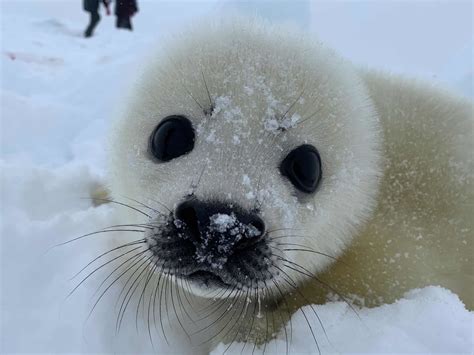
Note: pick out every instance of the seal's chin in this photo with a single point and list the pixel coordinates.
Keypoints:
(206, 279)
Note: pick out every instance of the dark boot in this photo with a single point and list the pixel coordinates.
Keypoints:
(95, 18)
(124, 22)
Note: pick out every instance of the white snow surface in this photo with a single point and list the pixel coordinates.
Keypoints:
(58, 94)
(429, 320)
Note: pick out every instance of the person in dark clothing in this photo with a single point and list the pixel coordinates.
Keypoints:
(124, 10)
(92, 6)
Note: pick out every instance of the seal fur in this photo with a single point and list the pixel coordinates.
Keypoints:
(393, 209)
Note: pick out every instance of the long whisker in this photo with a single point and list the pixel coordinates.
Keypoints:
(140, 241)
(238, 321)
(308, 273)
(117, 203)
(252, 320)
(281, 229)
(100, 267)
(293, 104)
(136, 256)
(98, 232)
(211, 105)
(312, 308)
(308, 250)
(282, 295)
(139, 225)
(136, 283)
(113, 282)
(174, 307)
(293, 285)
(142, 294)
(154, 306)
(161, 204)
(163, 288)
(148, 318)
(146, 206)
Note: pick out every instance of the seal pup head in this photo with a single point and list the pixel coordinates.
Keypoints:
(260, 148)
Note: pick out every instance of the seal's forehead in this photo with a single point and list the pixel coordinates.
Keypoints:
(252, 66)
(244, 84)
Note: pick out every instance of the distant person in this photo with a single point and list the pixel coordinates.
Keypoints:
(92, 6)
(124, 10)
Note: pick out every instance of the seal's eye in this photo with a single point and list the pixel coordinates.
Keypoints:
(173, 137)
(302, 166)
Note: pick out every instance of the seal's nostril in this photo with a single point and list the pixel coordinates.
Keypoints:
(259, 225)
(218, 230)
(186, 213)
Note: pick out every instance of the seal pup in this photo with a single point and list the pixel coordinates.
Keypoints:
(267, 172)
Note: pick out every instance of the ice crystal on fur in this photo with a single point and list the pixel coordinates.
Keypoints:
(220, 237)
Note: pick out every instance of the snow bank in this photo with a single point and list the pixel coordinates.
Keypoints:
(58, 93)
(428, 320)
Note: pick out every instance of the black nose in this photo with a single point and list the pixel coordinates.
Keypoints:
(218, 230)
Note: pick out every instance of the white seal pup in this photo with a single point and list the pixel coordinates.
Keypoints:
(270, 172)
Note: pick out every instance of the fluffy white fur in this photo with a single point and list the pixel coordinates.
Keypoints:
(394, 204)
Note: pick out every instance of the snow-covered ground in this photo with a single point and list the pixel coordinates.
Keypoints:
(58, 94)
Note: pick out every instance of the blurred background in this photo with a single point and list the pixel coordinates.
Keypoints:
(59, 92)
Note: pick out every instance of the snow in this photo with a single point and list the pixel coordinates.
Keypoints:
(58, 94)
(429, 320)
(224, 231)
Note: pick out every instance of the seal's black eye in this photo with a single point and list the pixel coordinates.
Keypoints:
(302, 166)
(173, 137)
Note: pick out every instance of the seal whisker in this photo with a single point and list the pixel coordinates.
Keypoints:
(252, 319)
(194, 99)
(143, 261)
(161, 204)
(142, 294)
(167, 281)
(183, 284)
(134, 285)
(283, 322)
(163, 297)
(293, 104)
(294, 286)
(118, 203)
(155, 293)
(281, 229)
(211, 105)
(266, 319)
(216, 320)
(194, 186)
(98, 268)
(146, 206)
(238, 321)
(180, 301)
(282, 295)
(311, 306)
(140, 241)
(98, 232)
(217, 305)
(136, 256)
(114, 281)
(141, 225)
(306, 249)
(149, 308)
(327, 286)
(174, 284)
(266, 338)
